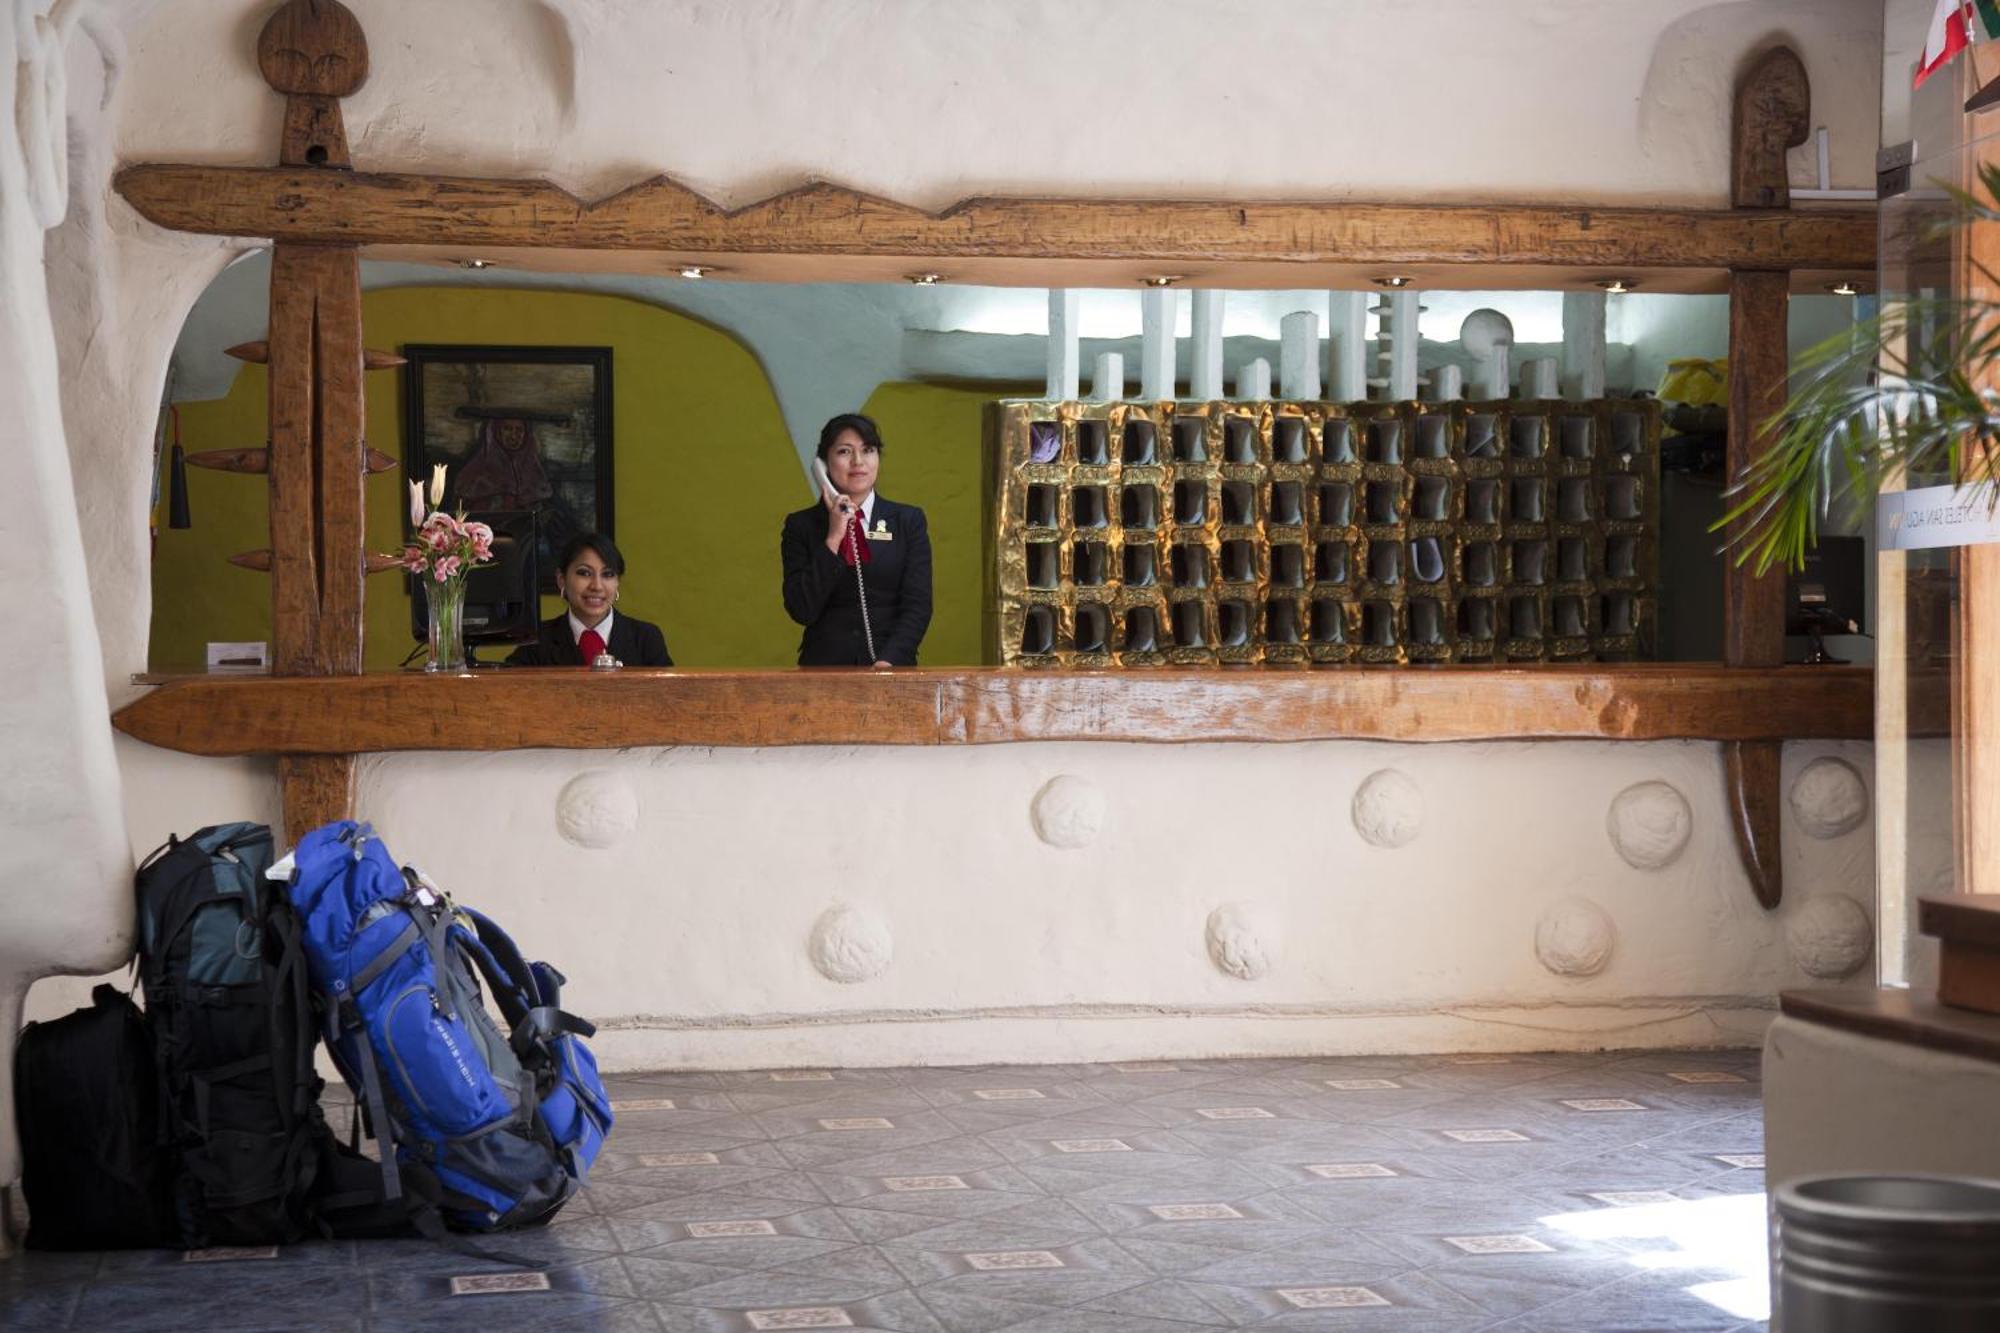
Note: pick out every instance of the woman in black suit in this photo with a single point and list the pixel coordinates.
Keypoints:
(587, 575)
(855, 542)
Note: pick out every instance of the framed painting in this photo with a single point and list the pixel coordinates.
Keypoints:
(520, 428)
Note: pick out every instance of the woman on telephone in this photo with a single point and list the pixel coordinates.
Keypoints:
(857, 566)
(587, 574)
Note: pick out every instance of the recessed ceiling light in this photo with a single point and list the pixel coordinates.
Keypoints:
(1160, 280)
(1843, 288)
(694, 271)
(1392, 281)
(1616, 286)
(475, 263)
(927, 279)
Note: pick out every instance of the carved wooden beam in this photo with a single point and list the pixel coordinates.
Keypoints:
(313, 52)
(1772, 111)
(363, 208)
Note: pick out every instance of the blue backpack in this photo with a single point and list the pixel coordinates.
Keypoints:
(494, 1129)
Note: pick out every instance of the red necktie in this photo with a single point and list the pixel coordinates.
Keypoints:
(589, 644)
(855, 541)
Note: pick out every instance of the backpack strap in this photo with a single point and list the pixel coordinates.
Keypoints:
(529, 996)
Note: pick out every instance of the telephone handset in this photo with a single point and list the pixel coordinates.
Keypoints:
(825, 484)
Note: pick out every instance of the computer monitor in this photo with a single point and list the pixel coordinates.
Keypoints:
(1829, 595)
(502, 603)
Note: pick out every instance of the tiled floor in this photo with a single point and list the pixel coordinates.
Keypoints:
(1533, 1192)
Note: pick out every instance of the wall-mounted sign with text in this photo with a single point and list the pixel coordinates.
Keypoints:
(1934, 516)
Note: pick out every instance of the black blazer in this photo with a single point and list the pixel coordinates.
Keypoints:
(633, 641)
(821, 594)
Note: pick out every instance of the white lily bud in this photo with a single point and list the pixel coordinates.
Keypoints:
(437, 484)
(416, 504)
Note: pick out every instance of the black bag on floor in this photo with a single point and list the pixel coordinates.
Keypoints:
(229, 1006)
(86, 1098)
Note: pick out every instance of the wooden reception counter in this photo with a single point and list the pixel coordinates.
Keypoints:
(575, 709)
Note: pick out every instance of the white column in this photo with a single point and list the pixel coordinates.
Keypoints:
(1347, 346)
(1298, 356)
(1065, 358)
(1205, 365)
(1400, 332)
(1583, 345)
(1107, 384)
(1488, 338)
(1539, 378)
(1447, 384)
(1157, 308)
(1253, 380)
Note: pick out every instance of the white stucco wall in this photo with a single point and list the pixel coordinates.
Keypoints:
(690, 934)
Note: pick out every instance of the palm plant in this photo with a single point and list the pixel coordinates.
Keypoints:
(1912, 393)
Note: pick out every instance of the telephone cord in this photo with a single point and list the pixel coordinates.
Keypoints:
(861, 586)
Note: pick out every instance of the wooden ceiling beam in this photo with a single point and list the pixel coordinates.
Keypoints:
(372, 208)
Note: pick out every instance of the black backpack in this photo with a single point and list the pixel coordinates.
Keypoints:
(229, 1006)
(87, 1103)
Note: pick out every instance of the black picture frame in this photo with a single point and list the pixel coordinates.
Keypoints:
(473, 406)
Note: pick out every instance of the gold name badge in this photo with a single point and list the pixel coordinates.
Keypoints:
(881, 533)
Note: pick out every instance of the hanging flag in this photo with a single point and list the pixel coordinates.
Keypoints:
(1989, 16)
(1945, 38)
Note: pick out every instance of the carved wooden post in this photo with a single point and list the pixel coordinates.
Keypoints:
(1773, 113)
(313, 51)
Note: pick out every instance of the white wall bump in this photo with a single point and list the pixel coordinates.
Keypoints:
(1829, 798)
(597, 809)
(1575, 938)
(1649, 824)
(849, 944)
(1830, 936)
(1388, 808)
(1242, 940)
(1068, 811)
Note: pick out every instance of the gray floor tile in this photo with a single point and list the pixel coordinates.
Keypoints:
(885, 1224)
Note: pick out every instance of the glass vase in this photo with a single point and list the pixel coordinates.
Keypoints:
(447, 624)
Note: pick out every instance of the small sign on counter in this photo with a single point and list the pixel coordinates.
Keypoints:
(246, 658)
(1934, 516)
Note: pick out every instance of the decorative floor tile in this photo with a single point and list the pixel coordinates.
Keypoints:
(1234, 1113)
(678, 1159)
(1192, 1212)
(1707, 1076)
(801, 1076)
(1486, 1136)
(493, 1284)
(1499, 1244)
(620, 1105)
(1361, 1084)
(815, 1316)
(1007, 1094)
(1636, 1198)
(1331, 1298)
(917, 1184)
(222, 1254)
(746, 1227)
(856, 1122)
(1603, 1104)
(1090, 1145)
(1350, 1170)
(1009, 1260)
(1754, 1160)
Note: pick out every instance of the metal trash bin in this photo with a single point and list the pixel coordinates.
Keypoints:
(1886, 1254)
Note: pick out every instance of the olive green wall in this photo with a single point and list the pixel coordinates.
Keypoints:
(702, 468)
